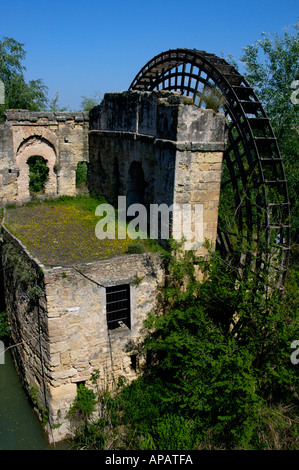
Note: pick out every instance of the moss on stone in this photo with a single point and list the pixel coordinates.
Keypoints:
(62, 231)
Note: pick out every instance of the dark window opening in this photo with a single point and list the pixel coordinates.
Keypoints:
(118, 306)
(81, 383)
(136, 185)
(134, 362)
(149, 358)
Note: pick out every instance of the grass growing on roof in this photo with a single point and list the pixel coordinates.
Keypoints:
(62, 231)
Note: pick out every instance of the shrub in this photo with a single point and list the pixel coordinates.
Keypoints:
(84, 403)
(136, 248)
(221, 361)
(4, 326)
(38, 173)
(220, 375)
(81, 174)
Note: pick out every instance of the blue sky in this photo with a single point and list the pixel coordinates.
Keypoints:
(80, 47)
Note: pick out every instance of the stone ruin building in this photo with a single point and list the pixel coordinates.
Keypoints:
(154, 144)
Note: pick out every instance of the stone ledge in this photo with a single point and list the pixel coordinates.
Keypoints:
(53, 117)
(162, 143)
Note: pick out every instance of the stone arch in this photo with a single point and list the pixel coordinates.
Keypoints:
(32, 147)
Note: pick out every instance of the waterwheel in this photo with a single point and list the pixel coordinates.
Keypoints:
(254, 213)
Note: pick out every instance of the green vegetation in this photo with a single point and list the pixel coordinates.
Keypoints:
(18, 93)
(271, 66)
(213, 99)
(220, 374)
(28, 276)
(84, 403)
(81, 174)
(38, 174)
(136, 247)
(44, 413)
(62, 231)
(87, 103)
(87, 434)
(4, 326)
(54, 105)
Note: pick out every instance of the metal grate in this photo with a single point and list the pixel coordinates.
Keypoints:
(118, 306)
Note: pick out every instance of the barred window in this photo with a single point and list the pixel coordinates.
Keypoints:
(118, 306)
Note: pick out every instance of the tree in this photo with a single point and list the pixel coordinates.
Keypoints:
(54, 104)
(87, 103)
(272, 66)
(18, 93)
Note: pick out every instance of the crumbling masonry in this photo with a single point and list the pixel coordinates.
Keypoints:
(152, 147)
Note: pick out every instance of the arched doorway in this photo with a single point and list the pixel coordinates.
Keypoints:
(40, 153)
(38, 174)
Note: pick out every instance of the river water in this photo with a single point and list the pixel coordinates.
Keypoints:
(20, 428)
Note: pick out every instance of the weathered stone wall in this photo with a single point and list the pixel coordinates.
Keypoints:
(178, 146)
(25, 300)
(60, 138)
(58, 318)
(80, 342)
(8, 171)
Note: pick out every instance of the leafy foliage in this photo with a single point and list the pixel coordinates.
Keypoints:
(38, 173)
(220, 374)
(222, 353)
(87, 103)
(54, 105)
(272, 65)
(81, 174)
(18, 93)
(84, 403)
(89, 436)
(4, 326)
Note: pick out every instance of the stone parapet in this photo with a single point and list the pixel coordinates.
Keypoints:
(23, 116)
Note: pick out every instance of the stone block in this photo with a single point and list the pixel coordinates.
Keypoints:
(63, 391)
